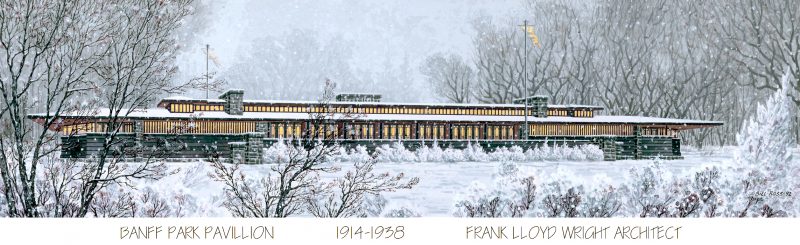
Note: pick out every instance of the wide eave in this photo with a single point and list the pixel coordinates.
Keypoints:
(163, 114)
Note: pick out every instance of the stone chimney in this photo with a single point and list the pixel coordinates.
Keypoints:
(233, 101)
(537, 104)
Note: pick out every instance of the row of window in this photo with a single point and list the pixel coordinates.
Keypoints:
(360, 131)
(198, 127)
(658, 132)
(285, 130)
(92, 128)
(429, 131)
(583, 113)
(557, 113)
(185, 108)
(580, 129)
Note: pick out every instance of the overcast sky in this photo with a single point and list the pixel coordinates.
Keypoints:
(379, 30)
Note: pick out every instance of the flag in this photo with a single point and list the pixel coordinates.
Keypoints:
(533, 36)
(212, 56)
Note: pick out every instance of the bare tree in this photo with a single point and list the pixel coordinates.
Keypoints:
(136, 68)
(296, 186)
(499, 63)
(762, 38)
(58, 57)
(344, 197)
(450, 77)
(48, 49)
(583, 68)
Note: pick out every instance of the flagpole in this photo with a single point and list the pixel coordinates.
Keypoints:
(207, 49)
(525, 82)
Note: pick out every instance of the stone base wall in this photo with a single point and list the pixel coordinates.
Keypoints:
(249, 147)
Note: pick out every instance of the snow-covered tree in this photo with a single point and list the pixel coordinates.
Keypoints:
(70, 57)
(764, 158)
(765, 139)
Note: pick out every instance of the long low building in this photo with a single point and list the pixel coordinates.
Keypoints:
(231, 127)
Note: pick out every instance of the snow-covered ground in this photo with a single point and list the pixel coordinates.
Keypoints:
(440, 182)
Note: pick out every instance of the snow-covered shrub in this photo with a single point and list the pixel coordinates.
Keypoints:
(452, 155)
(602, 202)
(650, 191)
(401, 212)
(430, 154)
(401, 209)
(561, 199)
(373, 205)
(516, 153)
(475, 153)
(358, 154)
(548, 153)
(276, 153)
(592, 152)
(376, 205)
(396, 152)
(566, 195)
(704, 197)
(479, 201)
(512, 195)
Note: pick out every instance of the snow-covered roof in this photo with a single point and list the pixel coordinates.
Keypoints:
(348, 93)
(306, 102)
(177, 98)
(187, 99)
(160, 113)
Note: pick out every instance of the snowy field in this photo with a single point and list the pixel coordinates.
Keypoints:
(440, 182)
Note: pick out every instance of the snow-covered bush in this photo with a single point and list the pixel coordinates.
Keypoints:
(401, 212)
(401, 209)
(376, 205)
(568, 196)
(647, 191)
(475, 153)
(430, 154)
(512, 195)
(706, 186)
(358, 154)
(592, 152)
(602, 202)
(561, 199)
(650, 191)
(452, 155)
(396, 152)
(276, 153)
